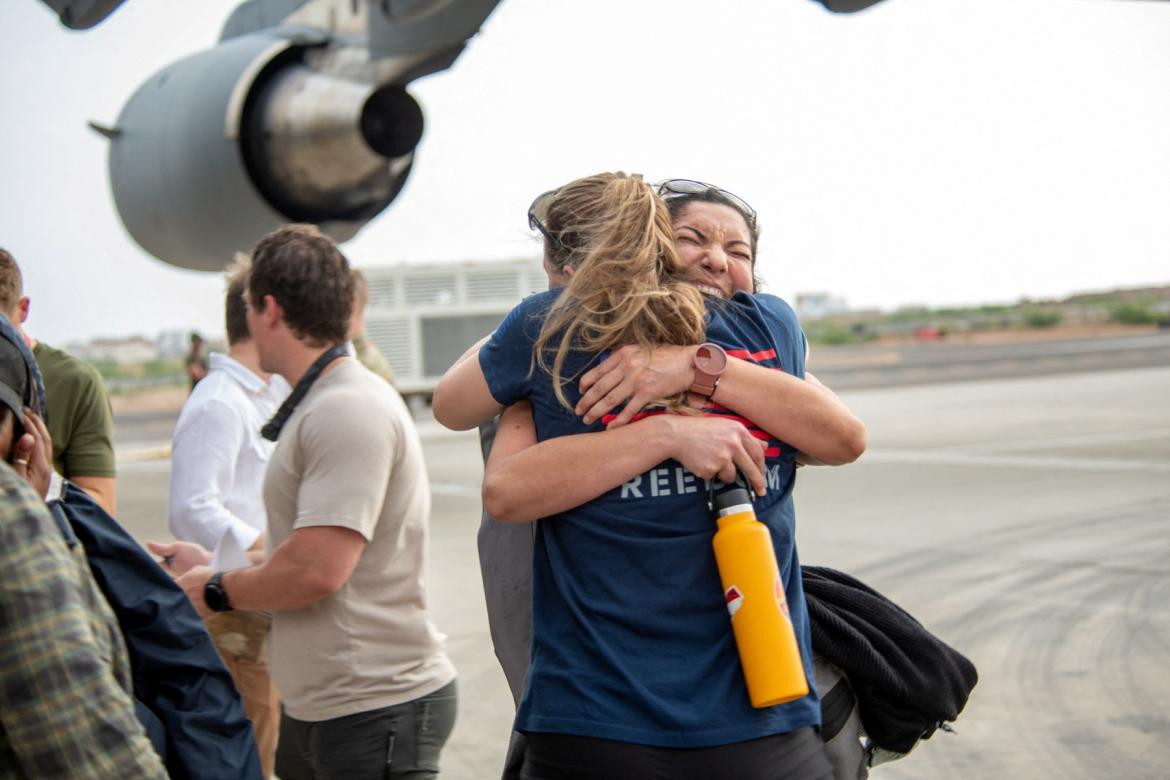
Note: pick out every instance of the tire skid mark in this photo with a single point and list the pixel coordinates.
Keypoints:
(1072, 640)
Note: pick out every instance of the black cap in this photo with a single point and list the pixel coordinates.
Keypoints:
(732, 496)
(14, 380)
(20, 378)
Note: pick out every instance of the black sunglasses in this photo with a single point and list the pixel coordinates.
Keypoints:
(538, 213)
(677, 188)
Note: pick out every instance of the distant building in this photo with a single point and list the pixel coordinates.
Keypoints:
(173, 343)
(423, 317)
(124, 351)
(814, 305)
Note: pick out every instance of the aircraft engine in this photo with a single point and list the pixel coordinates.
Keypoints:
(264, 129)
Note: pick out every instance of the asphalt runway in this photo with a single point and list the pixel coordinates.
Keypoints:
(1023, 520)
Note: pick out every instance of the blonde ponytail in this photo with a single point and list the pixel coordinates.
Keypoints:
(628, 282)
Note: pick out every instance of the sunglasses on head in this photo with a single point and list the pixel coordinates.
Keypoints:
(538, 213)
(677, 188)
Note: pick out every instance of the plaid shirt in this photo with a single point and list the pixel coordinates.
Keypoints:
(65, 706)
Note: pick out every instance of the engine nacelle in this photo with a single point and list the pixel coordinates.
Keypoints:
(220, 147)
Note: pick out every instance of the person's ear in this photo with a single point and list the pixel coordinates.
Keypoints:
(22, 309)
(273, 313)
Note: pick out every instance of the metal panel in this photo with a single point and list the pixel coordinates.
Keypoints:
(494, 285)
(445, 339)
(435, 288)
(383, 290)
(425, 25)
(392, 336)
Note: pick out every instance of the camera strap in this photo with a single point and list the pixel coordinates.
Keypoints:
(273, 427)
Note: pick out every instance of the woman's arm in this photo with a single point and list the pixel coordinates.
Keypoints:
(804, 458)
(802, 413)
(524, 480)
(462, 399)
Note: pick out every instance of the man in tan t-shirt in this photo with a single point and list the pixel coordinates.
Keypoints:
(367, 688)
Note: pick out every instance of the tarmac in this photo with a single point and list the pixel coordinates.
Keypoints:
(1023, 520)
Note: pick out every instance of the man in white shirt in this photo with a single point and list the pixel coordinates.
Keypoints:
(218, 460)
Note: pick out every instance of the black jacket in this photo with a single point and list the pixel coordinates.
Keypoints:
(908, 682)
(185, 697)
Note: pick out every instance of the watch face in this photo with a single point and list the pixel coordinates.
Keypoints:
(214, 595)
(709, 360)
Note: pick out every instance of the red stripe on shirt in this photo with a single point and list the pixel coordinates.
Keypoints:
(756, 357)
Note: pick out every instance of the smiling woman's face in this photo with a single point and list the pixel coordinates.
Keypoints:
(716, 246)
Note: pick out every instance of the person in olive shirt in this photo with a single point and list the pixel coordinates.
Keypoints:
(80, 420)
(364, 350)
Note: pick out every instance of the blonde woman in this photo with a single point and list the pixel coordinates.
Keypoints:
(634, 671)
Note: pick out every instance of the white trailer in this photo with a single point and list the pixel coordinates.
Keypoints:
(423, 317)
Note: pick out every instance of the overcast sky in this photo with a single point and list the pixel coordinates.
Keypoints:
(924, 151)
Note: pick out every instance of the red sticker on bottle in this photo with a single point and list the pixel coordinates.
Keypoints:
(734, 600)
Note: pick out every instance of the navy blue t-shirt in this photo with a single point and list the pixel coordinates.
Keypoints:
(631, 635)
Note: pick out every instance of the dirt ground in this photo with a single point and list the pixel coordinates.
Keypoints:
(152, 400)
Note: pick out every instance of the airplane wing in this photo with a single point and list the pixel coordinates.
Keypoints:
(300, 114)
(82, 14)
(847, 6)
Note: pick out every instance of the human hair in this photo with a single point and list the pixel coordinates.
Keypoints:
(235, 310)
(628, 283)
(11, 283)
(678, 202)
(305, 272)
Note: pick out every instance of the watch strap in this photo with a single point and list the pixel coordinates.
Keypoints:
(215, 595)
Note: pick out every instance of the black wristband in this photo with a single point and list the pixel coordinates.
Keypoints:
(214, 594)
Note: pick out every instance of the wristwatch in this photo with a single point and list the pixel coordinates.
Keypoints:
(214, 594)
(710, 362)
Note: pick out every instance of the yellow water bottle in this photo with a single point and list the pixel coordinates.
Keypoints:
(755, 599)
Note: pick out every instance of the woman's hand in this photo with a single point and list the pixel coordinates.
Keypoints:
(32, 454)
(716, 447)
(634, 376)
(180, 557)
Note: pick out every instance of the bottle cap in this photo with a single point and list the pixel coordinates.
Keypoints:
(730, 500)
